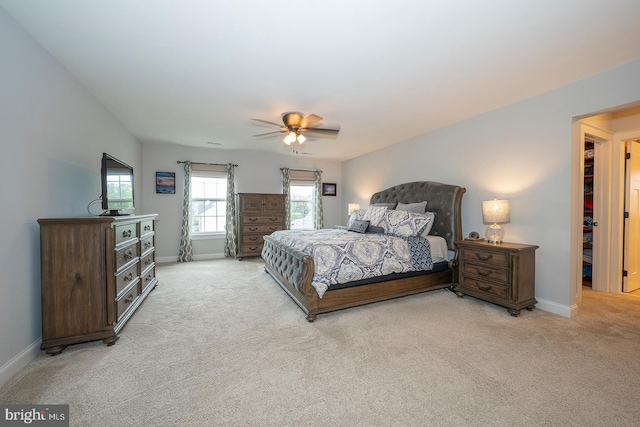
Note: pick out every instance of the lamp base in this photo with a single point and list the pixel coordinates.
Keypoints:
(494, 234)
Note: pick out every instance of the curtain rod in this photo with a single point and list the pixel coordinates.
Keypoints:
(303, 170)
(214, 164)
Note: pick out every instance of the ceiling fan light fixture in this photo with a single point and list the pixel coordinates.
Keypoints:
(301, 139)
(290, 138)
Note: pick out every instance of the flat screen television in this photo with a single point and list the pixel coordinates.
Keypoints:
(117, 187)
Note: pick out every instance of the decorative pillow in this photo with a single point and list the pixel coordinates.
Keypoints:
(357, 214)
(372, 229)
(404, 223)
(374, 214)
(419, 207)
(427, 229)
(359, 226)
(387, 205)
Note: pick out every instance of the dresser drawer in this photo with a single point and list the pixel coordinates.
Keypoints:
(146, 227)
(252, 239)
(126, 255)
(260, 229)
(125, 232)
(252, 249)
(126, 300)
(500, 259)
(146, 244)
(501, 291)
(148, 277)
(147, 260)
(125, 278)
(264, 219)
(274, 204)
(486, 272)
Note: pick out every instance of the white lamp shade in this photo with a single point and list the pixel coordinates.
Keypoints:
(495, 211)
(353, 207)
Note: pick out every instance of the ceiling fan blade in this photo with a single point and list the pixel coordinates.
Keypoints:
(310, 120)
(265, 121)
(321, 131)
(270, 133)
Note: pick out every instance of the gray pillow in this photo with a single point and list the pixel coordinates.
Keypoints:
(359, 226)
(387, 205)
(372, 229)
(419, 207)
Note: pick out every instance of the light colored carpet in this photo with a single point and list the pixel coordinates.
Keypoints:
(218, 343)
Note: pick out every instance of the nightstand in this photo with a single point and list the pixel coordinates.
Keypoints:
(503, 274)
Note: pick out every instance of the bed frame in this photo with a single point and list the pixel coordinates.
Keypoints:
(293, 270)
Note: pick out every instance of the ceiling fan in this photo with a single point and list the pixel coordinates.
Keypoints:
(295, 125)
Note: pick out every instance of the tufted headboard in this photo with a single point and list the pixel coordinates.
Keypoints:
(443, 199)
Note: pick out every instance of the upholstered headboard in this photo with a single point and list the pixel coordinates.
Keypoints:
(443, 199)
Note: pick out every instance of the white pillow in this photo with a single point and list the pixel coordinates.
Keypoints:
(432, 218)
(374, 214)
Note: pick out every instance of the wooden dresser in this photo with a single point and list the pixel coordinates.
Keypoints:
(258, 215)
(503, 274)
(95, 272)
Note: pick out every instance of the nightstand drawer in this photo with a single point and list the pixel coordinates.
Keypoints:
(500, 259)
(486, 272)
(488, 287)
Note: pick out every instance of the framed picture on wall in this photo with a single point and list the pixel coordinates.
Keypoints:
(328, 189)
(165, 182)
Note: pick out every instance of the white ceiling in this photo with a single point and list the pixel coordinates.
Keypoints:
(195, 72)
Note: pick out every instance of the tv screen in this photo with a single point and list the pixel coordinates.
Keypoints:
(117, 186)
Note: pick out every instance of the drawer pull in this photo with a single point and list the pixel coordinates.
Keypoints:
(148, 261)
(253, 248)
(273, 228)
(253, 239)
(148, 278)
(128, 277)
(485, 273)
(128, 255)
(273, 219)
(147, 228)
(253, 228)
(484, 288)
(126, 233)
(147, 245)
(484, 258)
(253, 219)
(129, 299)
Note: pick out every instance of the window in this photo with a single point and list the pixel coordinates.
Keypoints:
(302, 205)
(208, 202)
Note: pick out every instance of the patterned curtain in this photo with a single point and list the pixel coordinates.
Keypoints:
(319, 222)
(186, 251)
(231, 246)
(286, 185)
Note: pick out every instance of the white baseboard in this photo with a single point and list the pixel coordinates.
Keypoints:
(555, 308)
(202, 257)
(13, 366)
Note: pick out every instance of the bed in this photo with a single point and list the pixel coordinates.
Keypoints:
(294, 269)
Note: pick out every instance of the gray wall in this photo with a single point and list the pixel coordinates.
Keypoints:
(52, 134)
(257, 172)
(521, 152)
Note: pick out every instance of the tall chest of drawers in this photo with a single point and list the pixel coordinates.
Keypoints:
(95, 273)
(259, 214)
(503, 274)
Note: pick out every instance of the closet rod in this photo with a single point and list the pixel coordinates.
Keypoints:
(214, 164)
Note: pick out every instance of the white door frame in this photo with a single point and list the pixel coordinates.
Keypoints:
(617, 207)
(602, 234)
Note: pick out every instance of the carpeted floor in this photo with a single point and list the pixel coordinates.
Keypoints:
(218, 343)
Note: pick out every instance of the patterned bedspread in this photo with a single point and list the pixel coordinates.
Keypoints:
(342, 256)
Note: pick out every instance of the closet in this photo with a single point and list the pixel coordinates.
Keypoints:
(587, 216)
